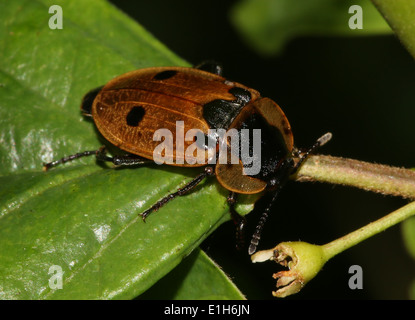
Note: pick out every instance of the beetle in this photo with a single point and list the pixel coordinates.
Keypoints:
(129, 109)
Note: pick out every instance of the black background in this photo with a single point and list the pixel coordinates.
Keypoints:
(359, 88)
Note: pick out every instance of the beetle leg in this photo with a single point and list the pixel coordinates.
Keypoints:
(210, 66)
(47, 166)
(279, 182)
(101, 155)
(121, 160)
(303, 154)
(260, 226)
(238, 220)
(182, 191)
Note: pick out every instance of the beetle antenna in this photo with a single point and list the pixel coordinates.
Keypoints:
(324, 139)
(319, 142)
(260, 226)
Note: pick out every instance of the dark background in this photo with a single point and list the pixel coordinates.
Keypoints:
(359, 88)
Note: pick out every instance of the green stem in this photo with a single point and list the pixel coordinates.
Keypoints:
(368, 176)
(305, 260)
(339, 245)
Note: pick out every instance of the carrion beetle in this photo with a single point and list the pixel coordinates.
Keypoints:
(129, 110)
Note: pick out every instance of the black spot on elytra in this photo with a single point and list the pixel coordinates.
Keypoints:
(165, 75)
(135, 115)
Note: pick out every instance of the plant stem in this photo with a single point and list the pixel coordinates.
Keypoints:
(305, 260)
(368, 176)
(339, 245)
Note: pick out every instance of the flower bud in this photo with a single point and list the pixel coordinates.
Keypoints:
(303, 261)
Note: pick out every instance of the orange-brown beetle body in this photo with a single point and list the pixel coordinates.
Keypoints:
(129, 110)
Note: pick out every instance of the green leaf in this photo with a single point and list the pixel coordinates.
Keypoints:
(81, 218)
(400, 15)
(197, 277)
(44, 74)
(84, 219)
(267, 25)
